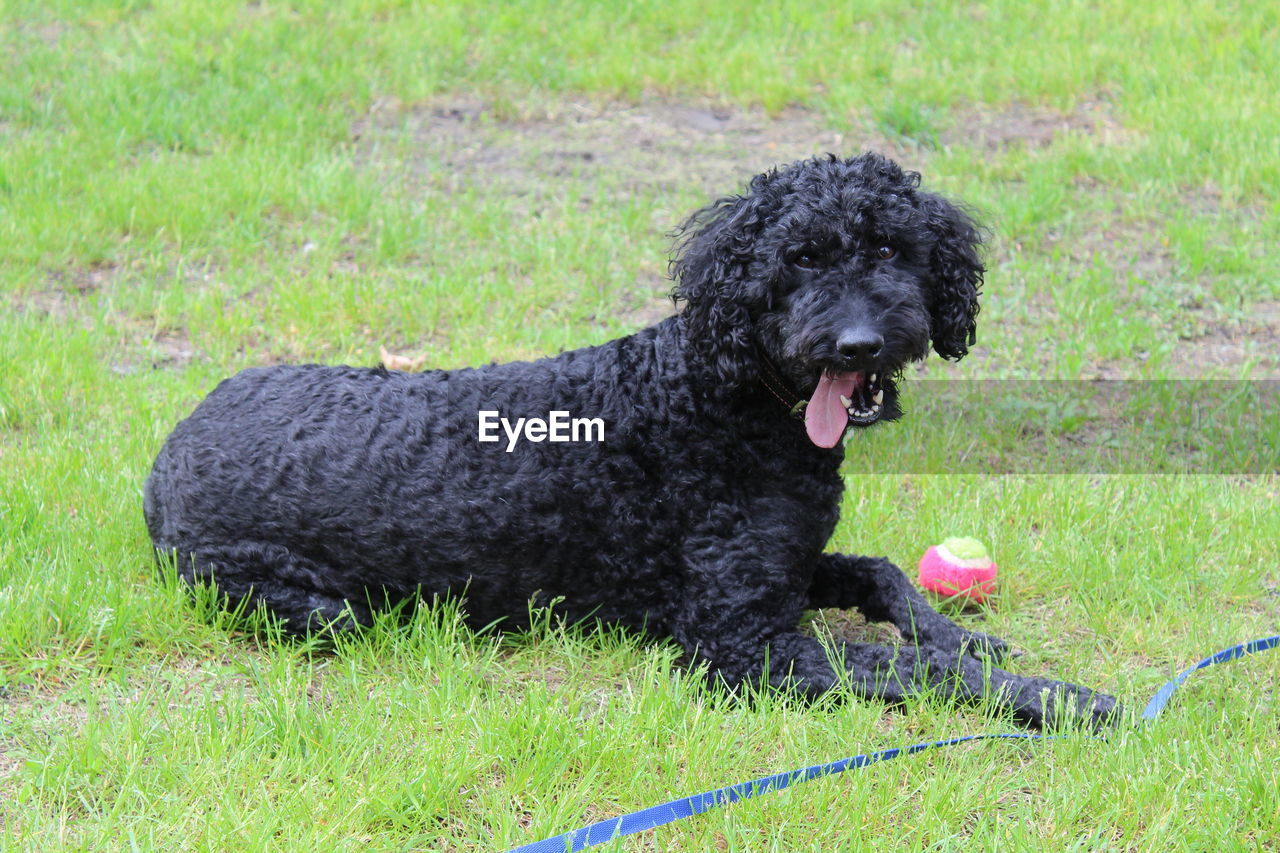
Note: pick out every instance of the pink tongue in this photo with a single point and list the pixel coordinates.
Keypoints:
(826, 417)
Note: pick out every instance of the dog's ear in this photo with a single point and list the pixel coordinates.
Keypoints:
(711, 270)
(956, 274)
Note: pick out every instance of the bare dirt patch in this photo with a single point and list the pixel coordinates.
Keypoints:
(80, 296)
(9, 763)
(655, 145)
(601, 154)
(1030, 126)
(1254, 339)
(59, 299)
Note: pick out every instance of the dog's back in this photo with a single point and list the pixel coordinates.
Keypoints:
(357, 483)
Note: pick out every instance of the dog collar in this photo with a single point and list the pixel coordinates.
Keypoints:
(778, 387)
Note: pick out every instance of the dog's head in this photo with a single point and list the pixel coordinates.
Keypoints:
(839, 272)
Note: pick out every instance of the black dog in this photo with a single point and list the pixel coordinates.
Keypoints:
(702, 513)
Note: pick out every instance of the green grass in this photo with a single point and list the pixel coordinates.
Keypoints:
(190, 188)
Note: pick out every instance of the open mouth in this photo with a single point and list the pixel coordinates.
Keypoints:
(842, 399)
(866, 402)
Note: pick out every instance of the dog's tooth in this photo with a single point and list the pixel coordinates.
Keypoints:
(845, 401)
(878, 398)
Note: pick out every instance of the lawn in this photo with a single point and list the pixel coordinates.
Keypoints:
(190, 188)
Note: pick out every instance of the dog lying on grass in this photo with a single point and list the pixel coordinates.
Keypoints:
(701, 508)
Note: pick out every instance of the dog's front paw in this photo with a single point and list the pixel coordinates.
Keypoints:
(1071, 706)
(951, 637)
(1104, 713)
(986, 647)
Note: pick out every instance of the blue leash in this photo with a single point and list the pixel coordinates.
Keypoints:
(1157, 703)
(608, 830)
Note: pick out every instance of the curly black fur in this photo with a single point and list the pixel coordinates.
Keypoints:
(703, 515)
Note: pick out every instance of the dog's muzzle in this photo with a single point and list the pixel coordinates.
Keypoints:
(841, 399)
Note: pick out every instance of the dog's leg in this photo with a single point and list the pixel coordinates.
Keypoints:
(292, 587)
(882, 592)
(739, 618)
(892, 674)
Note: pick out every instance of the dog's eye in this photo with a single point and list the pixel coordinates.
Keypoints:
(806, 259)
(886, 253)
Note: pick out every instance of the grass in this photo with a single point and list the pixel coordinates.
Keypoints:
(191, 188)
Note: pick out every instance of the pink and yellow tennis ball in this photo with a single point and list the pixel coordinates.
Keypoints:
(960, 566)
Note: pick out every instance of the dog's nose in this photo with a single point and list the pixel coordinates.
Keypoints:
(859, 344)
